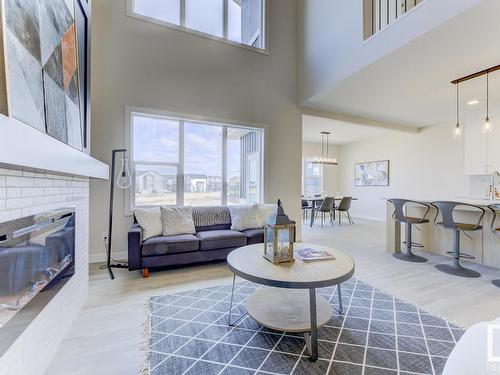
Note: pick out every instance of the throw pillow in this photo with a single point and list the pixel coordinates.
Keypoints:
(177, 220)
(265, 210)
(244, 217)
(150, 221)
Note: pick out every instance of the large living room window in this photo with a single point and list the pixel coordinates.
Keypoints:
(185, 162)
(238, 21)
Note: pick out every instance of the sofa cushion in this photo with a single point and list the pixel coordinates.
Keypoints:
(254, 235)
(221, 239)
(211, 218)
(150, 221)
(177, 220)
(244, 217)
(162, 245)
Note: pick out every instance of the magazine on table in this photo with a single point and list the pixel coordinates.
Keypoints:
(309, 254)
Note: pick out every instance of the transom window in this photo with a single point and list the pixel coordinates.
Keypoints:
(184, 162)
(239, 21)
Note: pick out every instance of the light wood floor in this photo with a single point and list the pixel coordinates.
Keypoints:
(107, 336)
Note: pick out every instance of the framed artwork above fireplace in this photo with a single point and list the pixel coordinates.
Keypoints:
(45, 56)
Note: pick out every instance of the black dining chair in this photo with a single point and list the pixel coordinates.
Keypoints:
(446, 209)
(326, 208)
(305, 208)
(400, 215)
(344, 207)
(495, 208)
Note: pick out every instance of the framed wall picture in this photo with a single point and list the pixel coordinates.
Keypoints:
(43, 58)
(372, 173)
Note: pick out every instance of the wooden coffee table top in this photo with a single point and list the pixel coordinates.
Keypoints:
(248, 262)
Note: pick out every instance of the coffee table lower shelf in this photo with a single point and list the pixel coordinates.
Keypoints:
(287, 309)
(291, 310)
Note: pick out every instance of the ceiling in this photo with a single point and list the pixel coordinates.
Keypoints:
(411, 86)
(342, 132)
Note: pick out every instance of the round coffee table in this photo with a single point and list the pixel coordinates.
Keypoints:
(297, 309)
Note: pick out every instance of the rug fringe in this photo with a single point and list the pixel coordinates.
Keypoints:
(145, 345)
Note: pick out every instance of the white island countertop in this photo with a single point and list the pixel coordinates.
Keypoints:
(482, 202)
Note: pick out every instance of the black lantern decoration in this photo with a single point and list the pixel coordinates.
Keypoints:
(279, 233)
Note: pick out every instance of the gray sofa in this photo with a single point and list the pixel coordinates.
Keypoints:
(213, 240)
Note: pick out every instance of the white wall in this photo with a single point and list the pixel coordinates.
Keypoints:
(136, 63)
(331, 175)
(22, 193)
(331, 45)
(428, 165)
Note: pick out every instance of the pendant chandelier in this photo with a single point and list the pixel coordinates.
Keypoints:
(325, 159)
(487, 125)
(487, 122)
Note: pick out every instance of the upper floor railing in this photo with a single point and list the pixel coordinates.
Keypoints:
(378, 14)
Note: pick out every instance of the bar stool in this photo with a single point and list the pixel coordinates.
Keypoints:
(409, 221)
(495, 208)
(446, 209)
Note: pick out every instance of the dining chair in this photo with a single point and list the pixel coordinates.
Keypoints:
(344, 207)
(326, 207)
(305, 208)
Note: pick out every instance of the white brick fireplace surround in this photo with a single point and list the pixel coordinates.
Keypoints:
(26, 192)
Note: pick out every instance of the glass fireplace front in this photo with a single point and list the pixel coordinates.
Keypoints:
(36, 253)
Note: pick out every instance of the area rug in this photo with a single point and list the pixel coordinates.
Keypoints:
(377, 335)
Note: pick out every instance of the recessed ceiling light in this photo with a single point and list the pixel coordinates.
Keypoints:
(473, 102)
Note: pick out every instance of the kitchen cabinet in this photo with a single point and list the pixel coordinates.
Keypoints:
(482, 151)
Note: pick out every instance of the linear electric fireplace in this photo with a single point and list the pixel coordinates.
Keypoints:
(37, 257)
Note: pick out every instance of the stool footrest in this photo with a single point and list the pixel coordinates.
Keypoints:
(462, 255)
(415, 244)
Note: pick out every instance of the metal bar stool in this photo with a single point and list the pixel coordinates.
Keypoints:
(400, 215)
(446, 209)
(495, 208)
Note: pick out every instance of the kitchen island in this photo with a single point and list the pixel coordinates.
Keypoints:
(483, 245)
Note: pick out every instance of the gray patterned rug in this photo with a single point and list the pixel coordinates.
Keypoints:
(377, 335)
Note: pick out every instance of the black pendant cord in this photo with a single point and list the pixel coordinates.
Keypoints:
(109, 266)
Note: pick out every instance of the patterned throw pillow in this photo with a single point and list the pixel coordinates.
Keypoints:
(244, 217)
(177, 220)
(150, 221)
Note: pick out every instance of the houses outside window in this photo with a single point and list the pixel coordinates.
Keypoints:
(183, 162)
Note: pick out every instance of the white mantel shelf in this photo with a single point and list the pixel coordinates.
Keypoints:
(23, 146)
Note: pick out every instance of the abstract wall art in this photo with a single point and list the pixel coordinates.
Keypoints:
(41, 64)
(372, 173)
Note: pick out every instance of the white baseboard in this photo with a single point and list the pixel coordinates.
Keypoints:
(371, 218)
(99, 258)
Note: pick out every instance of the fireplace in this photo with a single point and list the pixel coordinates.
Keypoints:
(37, 257)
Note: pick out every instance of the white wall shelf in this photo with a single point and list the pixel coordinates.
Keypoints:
(23, 146)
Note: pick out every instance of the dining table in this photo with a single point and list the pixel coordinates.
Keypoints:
(314, 205)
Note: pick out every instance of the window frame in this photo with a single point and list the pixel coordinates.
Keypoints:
(264, 25)
(129, 195)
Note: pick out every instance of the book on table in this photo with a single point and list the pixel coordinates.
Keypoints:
(309, 254)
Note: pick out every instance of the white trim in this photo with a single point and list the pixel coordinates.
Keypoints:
(101, 258)
(264, 51)
(24, 146)
(224, 167)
